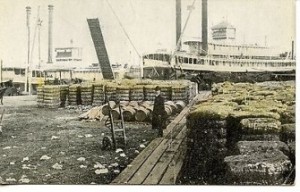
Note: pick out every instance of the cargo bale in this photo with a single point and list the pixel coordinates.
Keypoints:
(209, 110)
(247, 147)
(260, 125)
(292, 148)
(288, 132)
(258, 168)
(136, 93)
(288, 116)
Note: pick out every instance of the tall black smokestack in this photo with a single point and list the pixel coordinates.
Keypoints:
(50, 7)
(204, 26)
(178, 22)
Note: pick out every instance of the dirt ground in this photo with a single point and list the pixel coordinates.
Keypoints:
(52, 146)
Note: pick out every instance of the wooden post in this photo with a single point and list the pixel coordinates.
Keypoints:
(1, 65)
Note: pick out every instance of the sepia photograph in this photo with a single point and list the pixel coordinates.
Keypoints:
(148, 92)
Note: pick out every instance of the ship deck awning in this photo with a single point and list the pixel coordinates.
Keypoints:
(57, 70)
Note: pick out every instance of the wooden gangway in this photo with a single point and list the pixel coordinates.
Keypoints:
(161, 161)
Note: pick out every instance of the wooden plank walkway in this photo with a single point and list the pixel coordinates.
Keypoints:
(161, 161)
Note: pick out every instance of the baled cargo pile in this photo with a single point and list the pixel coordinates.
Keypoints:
(50, 95)
(242, 112)
(260, 168)
(98, 93)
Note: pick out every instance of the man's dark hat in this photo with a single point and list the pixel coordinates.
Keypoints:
(157, 88)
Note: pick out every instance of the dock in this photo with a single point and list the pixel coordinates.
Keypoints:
(161, 161)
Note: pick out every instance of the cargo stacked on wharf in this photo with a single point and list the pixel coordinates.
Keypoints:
(98, 93)
(262, 113)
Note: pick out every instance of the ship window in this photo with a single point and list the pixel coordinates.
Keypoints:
(190, 60)
(185, 60)
(195, 61)
(22, 72)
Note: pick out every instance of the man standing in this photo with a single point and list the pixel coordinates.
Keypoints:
(159, 113)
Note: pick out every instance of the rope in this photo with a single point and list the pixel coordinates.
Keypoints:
(123, 29)
(34, 36)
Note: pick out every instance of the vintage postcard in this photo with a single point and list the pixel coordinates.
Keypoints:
(148, 92)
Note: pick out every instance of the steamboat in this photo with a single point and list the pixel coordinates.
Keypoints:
(218, 60)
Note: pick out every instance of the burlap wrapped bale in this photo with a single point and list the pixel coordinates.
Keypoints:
(74, 95)
(258, 168)
(136, 93)
(64, 92)
(236, 133)
(51, 96)
(247, 147)
(149, 92)
(86, 94)
(292, 148)
(40, 96)
(288, 116)
(288, 132)
(206, 141)
(98, 95)
(166, 91)
(180, 92)
(123, 93)
(260, 125)
(110, 92)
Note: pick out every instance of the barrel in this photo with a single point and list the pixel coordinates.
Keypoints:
(115, 113)
(134, 104)
(129, 113)
(105, 108)
(180, 105)
(124, 103)
(142, 114)
(168, 110)
(172, 105)
(146, 103)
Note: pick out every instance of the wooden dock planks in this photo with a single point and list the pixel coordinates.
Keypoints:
(160, 162)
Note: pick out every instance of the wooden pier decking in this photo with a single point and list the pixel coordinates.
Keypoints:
(161, 161)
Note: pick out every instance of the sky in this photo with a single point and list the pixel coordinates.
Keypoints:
(150, 25)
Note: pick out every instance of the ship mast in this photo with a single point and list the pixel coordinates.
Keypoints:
(28, 12)
(178, 24)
